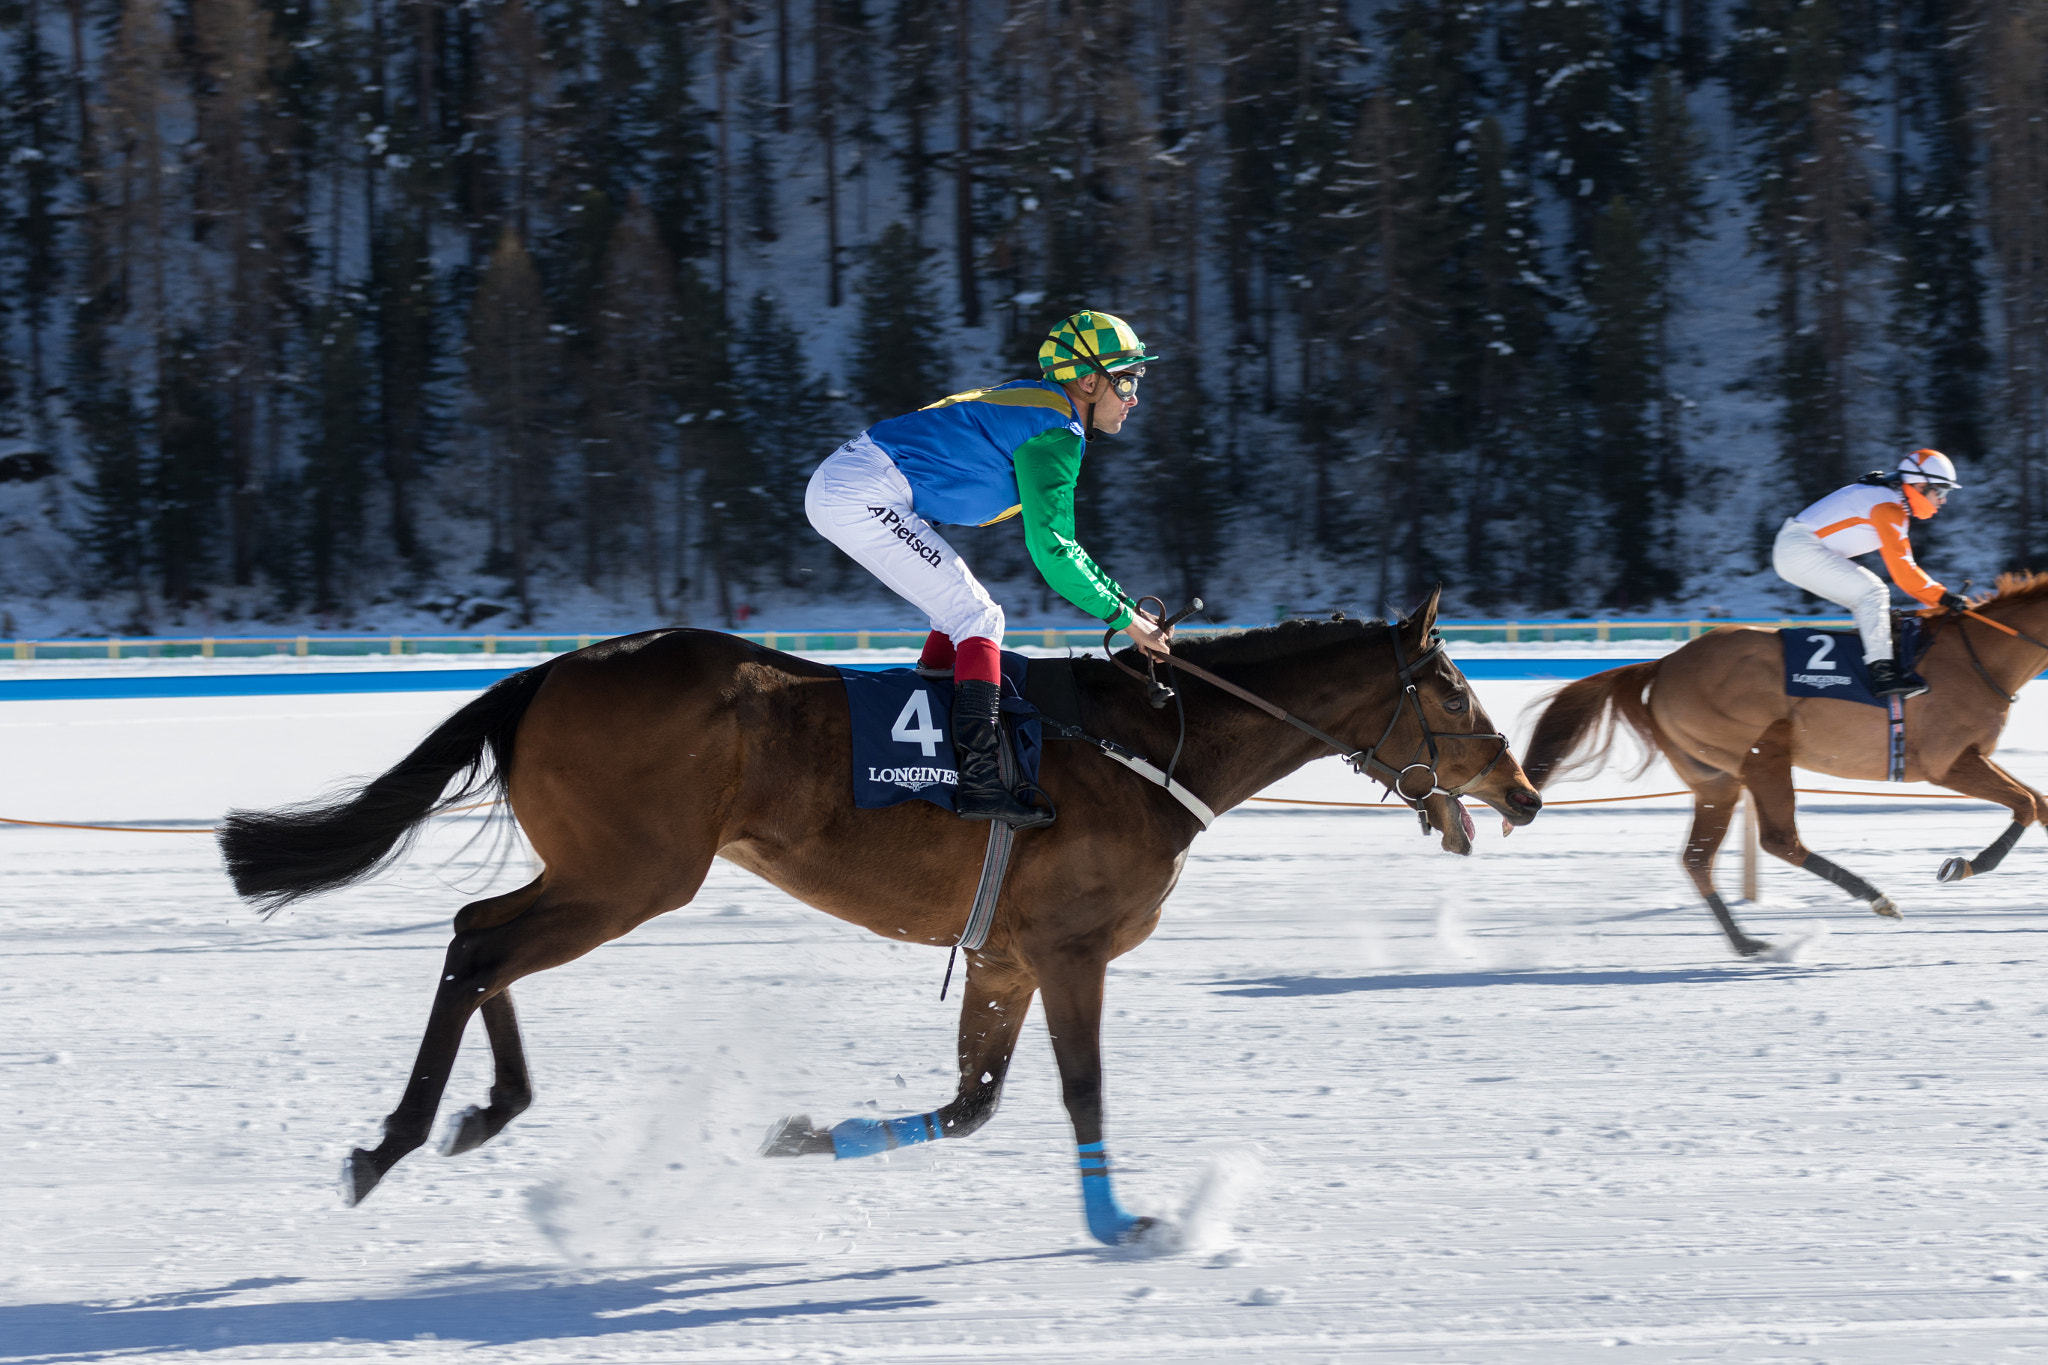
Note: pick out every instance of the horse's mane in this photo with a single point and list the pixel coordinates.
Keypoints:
(2016, 588)
(1267, 643)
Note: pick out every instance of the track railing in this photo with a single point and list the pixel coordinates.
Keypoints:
(805, 641)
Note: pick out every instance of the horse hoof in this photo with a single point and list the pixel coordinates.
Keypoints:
(466, 1132)
(1954, 870)
(1883, 906)
(1750, 947)
(1140, 1232)
(359, 1175)
(795, 1136)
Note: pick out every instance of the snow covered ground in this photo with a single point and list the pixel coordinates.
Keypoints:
(1517, 1108)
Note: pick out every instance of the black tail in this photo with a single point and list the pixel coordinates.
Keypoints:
(277, 857)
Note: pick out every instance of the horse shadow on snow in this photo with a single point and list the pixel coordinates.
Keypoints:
(1733, 974)
(494, 1308)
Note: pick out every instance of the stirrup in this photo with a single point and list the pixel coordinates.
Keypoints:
(1012, 809)
(1016, 816)
(1888, 679)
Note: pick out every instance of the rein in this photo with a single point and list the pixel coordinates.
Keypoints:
(2000, 625)
(1963, 633)
(1366, 762)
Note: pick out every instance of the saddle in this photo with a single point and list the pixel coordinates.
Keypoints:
(1829, 663)
(902, 750)
(900, 753)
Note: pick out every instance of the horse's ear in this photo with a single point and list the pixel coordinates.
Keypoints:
(1422, 620)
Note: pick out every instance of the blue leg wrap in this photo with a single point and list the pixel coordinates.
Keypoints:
(1109, 1221)
(866, 1137)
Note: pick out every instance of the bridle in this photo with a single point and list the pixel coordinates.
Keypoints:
(1365, 762)
(1978, 663)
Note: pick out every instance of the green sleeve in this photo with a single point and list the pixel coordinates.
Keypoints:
(1047, 467)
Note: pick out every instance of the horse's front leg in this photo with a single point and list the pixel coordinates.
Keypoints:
(995, 999)
(1713, 805)
(1975, 775)
(1072, 989)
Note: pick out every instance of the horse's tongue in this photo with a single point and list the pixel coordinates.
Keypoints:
(1507, 827)
(1465, 819)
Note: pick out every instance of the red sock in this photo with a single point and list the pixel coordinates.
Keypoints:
(938, 651)
(978, 660)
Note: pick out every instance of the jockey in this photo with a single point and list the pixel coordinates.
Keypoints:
(970, 460)
(1815, 550)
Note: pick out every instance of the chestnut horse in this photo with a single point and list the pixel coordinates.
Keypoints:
(633, 763)
(1716, 709)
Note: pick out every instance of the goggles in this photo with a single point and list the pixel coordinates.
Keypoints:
(1124, 383)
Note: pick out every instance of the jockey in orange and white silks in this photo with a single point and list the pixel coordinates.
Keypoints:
(1815, 550)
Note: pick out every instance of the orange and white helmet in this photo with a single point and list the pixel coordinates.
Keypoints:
(1930, 467)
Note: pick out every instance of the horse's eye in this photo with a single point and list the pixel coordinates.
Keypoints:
(1455, 705)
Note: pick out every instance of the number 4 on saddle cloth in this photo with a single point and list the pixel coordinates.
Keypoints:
(1829, 663)
(902, 734)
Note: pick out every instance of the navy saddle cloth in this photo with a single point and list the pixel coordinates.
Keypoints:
(1829, 663)
(903, 734)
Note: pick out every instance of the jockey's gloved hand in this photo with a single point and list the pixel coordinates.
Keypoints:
(1953, 601)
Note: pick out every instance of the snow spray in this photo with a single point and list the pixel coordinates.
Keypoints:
(682, 1172)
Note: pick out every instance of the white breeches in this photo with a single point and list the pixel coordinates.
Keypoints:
(860, 502)
(1804, 560)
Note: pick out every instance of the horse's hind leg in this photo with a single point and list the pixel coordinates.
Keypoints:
(993, 1003)
(481, 963)
(407, 1126)
(1713, 804)
(1767, 772)
(511, 1086)
(1975, 775)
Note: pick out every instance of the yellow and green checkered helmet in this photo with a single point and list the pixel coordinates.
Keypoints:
(1104, 338)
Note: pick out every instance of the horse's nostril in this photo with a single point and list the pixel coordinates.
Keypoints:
(1527, 800)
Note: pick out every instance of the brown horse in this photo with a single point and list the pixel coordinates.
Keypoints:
(630, 765)
(1716, 708)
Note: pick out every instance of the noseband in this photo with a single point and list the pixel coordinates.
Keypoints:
(1367, 762)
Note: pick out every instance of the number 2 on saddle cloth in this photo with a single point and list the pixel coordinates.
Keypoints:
(1829, 663)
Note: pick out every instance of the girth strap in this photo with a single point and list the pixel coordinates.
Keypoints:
(995, 865)
(1138, 764)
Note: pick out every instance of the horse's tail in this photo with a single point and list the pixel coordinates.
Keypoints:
(1578, 709)
(276, 857)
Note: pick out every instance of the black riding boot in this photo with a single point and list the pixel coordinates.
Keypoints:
(981, 794)
(1887, 679)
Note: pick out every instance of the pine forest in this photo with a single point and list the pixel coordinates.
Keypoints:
(362, 314)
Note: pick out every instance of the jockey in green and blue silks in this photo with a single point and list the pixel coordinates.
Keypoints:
(1013, 450)
(974, 459)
